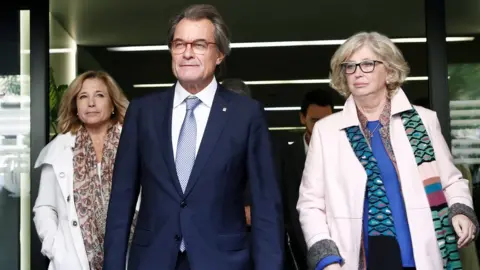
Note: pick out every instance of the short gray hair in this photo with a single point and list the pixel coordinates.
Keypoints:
(209, 12)
(237, 86)
(383, 47)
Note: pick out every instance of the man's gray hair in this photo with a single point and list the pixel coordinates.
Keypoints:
(209, 12)
(237, 86)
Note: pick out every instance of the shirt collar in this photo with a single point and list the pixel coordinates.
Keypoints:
(305, 145)
(398, 104)
(206, 95)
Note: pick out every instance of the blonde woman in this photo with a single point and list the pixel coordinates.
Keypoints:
(71, 207)
(379, 190)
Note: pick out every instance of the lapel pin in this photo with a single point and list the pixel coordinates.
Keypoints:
(224, 109)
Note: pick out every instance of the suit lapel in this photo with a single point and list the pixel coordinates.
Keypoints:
(215, 124)
(300, 153)
(164, 132)
(299, 159)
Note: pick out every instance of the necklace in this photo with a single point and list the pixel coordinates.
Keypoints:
(375, 129)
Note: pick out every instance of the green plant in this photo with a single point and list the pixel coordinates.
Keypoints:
(55, 96)
(464, 81)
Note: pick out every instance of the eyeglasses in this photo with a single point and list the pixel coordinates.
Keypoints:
(198, 46)
(366, 66)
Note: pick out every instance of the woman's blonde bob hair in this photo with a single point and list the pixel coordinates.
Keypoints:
(68, 120)
(383, 47)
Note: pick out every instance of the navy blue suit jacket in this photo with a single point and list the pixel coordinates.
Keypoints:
(210, 214)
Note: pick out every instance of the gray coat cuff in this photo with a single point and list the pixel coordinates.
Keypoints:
(321, 250)
(462, 209)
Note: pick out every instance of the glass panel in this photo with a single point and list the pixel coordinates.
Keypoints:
(464, 89)
(464, 86)
(62, 67)
(15, 207)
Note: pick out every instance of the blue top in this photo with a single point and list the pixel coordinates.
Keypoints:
(395, 198)
(394, 195)
(328, 261)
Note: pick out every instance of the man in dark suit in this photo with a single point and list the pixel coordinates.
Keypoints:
(316, 105)
(191, 148)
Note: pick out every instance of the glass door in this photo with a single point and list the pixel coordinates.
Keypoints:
(15, 209)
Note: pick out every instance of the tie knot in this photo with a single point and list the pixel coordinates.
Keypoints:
(192, 102)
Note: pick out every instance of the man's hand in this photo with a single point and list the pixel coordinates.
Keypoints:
(465, 230)
(248, 216)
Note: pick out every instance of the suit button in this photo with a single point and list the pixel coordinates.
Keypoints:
(62, 174)
(68, 198)
(74, 223)
(183, 204)
(177, 237)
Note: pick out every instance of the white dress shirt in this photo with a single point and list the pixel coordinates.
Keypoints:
(202, 112)
(305, 144)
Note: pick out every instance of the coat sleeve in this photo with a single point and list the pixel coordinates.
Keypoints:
(45, 210)
(266, 209)
(311, 204)
(124, 195)
(455, 186)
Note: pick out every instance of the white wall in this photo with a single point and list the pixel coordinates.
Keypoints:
(63, 53)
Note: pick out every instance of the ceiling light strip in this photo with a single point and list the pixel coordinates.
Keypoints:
(273, 82)
(282, 109)
(272, 44)
(285, 128)
(308, 81)
(286, 109)
(54, 50)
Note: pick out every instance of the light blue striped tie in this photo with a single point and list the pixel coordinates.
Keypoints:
(186, 146)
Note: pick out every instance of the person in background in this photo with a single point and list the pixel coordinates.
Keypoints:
(316, 105)
(191, 148)
(238, 86)
(71, 208)
(379, 189)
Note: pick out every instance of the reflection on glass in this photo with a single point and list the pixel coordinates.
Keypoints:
(24, 170)
(14, 126)
(14, 169)
(464, 88)
(15, 207)
(464, 85)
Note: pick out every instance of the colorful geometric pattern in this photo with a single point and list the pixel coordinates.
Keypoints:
(418, 137)
(380, 220)
(425, 157)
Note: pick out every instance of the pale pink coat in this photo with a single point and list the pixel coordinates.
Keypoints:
(333, 185)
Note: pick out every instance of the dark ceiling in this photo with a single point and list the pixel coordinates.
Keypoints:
(96, 25)
(140, 22)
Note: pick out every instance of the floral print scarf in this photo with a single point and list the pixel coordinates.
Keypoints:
(92, 192)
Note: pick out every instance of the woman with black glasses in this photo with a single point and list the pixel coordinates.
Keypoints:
(380, 190)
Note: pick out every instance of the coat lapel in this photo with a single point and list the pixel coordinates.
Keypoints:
(59, 154)
(164, 132)
(63, 166)
(297, 156)
(300, 155)
(216, 122)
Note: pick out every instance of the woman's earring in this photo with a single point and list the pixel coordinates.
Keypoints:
(113, 112)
